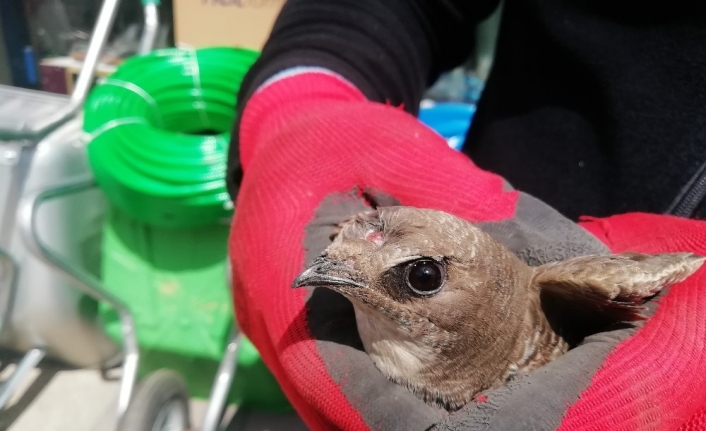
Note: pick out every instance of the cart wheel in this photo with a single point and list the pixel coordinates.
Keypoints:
(160, 403)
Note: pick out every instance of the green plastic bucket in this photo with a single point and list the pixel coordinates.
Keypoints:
(159, 129)
(174, 282)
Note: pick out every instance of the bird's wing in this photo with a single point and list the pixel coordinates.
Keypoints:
(585, 294)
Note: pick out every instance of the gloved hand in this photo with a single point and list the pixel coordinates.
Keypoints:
(314, 152)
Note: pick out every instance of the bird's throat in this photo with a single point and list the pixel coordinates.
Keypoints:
(392, 350)
(408, 360)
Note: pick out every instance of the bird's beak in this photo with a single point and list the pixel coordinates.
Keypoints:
(327, 273)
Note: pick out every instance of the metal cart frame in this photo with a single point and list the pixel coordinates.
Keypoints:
(89, 285)
(31, 132)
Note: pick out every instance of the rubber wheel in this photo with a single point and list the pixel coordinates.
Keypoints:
(160, 403)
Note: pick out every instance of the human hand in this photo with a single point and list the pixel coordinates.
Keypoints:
(315, 152)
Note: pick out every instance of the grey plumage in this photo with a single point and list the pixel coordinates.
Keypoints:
(448, 312)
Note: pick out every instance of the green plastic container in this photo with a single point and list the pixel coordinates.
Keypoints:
(159, 129)
(174, 282)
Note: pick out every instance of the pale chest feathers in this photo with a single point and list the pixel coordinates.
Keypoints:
(402, 359)
(396, 355)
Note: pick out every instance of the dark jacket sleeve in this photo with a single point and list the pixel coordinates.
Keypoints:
(391, 50)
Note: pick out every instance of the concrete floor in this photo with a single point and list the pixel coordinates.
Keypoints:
(54, 399)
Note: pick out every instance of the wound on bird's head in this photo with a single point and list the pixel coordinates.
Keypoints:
(376, 237)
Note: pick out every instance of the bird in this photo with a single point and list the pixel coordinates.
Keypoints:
(448, 312)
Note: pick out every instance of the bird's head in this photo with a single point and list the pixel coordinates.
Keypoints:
(428, 279)
(404, 262)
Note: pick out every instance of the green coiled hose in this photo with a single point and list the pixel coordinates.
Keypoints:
(159, 130)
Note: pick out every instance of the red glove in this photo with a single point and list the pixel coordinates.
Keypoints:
(314, 151)
(655, 379)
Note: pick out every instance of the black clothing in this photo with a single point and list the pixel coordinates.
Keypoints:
(596, 107)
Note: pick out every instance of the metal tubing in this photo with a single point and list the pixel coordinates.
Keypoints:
(27, 224)
(149, 33)
(100, 34)
(99, 37)
(131, 362)
(27, 364)
(222, 384)
(10, 297)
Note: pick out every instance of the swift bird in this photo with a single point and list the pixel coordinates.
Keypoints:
(447, 311)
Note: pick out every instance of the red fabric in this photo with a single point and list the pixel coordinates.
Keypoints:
(327, 131)
(305, 137)
(697, 422)
(656, 380)
(301, 139)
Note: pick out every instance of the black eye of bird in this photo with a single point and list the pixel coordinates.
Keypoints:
(425, 276)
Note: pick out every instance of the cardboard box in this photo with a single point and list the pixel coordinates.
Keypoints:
(59, 74)
(240, 23)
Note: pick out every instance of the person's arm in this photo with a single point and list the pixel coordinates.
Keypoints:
(390, 50)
